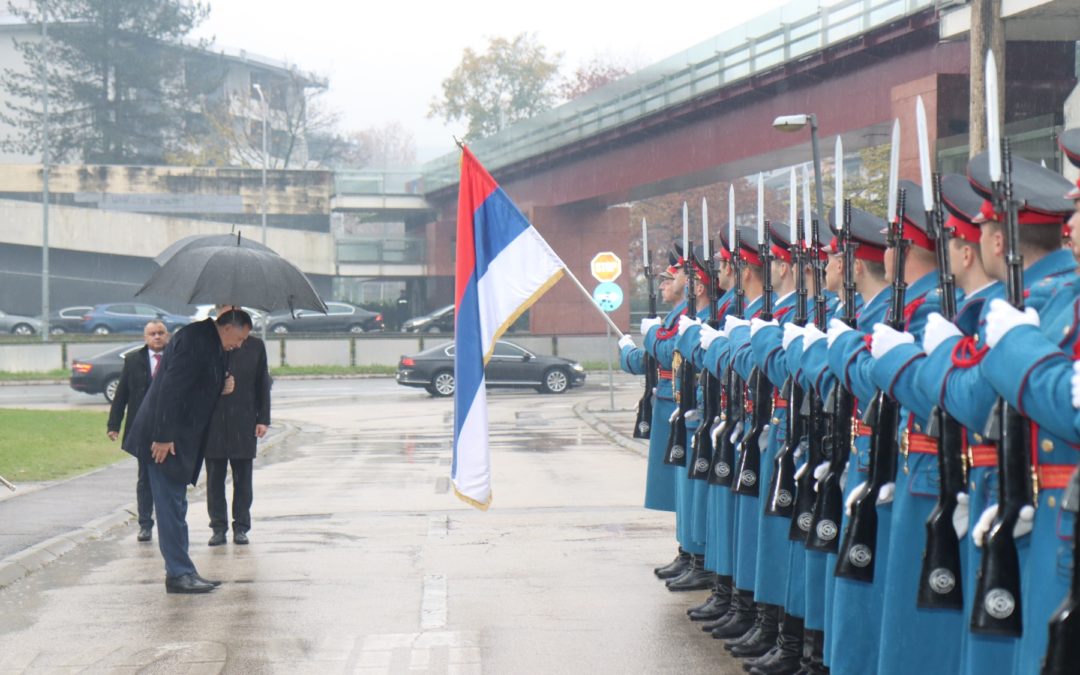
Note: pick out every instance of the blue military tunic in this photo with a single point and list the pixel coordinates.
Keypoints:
(691, 494)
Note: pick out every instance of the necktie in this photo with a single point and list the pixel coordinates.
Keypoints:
(157, 362)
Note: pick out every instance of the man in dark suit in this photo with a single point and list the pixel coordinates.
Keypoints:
(239, 420)
(170, 429)
(139, 367)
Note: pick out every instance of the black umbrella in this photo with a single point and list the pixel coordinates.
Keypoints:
(232, 275)
(204, 240)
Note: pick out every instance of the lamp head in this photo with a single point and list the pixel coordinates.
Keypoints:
(791, 122)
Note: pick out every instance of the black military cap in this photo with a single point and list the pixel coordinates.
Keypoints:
(962, 204)
(915, 226)
(748, 246)
(1036, 189)
(1069, 140)
(867, 231)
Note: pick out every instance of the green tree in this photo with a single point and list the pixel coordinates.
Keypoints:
(120, 86)
(511, 81)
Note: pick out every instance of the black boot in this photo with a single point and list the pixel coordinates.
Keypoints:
(695, 578)
(675, 567)
(717, 604)
(813, 653)
(750, 664)
(732, 610)
(751, 633)
(788, 657)
(768, 630)
(741, 620)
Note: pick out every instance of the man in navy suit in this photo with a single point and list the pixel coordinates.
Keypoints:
(139, 367)
(170, 432)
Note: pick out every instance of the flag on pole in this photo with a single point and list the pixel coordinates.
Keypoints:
(503, 267)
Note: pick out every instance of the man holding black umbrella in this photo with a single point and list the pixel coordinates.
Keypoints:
(170, 429)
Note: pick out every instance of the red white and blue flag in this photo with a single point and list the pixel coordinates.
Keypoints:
(503, 267)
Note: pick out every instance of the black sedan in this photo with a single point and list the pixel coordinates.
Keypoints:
(340, 317)
(68, 319)
(100, 373)
(510, 366)
(439, 321)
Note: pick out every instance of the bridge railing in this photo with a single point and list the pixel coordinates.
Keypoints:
(795, 30)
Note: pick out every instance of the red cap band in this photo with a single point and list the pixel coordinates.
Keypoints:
(781, 253)
(750, 257)
(917, 236)
(963, 229)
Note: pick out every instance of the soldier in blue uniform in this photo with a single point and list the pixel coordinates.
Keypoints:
(659, 477)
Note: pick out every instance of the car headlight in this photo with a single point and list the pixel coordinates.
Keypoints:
(577, 367)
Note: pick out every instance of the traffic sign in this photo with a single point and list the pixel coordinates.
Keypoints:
(608, 295)
(606, 266)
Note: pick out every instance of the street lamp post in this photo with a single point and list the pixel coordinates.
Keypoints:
(44, 175)
(792, 123)
(262, 200)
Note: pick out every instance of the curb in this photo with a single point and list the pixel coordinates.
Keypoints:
(31, 559)
(630, 444)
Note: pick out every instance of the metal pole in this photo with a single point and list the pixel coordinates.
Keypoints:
(819, 193)
(44, 174)
(610, 377)
(262, 198)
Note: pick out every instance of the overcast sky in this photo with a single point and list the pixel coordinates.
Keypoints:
(385, 61)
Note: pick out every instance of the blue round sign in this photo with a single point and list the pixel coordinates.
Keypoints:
(608, 295)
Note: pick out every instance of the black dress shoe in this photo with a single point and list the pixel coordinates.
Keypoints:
(760, 661)
(675, 567)
(768, 628)
(217, 539)
(714, 608)
(145, 534)
(187, 583)
(741, 621)
(212, 582)
(240, 538)
(696, 578)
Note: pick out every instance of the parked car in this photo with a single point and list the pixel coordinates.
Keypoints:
(100, 373)
(341, 317)
(510, 366)
(19, 325)
(439, 321)
(68, 319)
(128, 317)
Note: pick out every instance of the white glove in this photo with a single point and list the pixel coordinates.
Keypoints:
(763, 439)
(836, 329)
(791, 331)
(1003, 317)
(733, 322)
(708, 335)
(648, 323)
(885, 339)
(674, 416)
(717, 430)
(1025, 522)
(849, 504)
(736, 434)
(1076, 385)
(820, 470)
(938, 330)
(986, 520)
(626, 341)
(758, 324)
(961, 516)
(886, 493)
(685, 322)
(691, 415)
(801, 471)
(811, 335)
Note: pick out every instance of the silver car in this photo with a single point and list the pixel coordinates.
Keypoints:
(19, 325)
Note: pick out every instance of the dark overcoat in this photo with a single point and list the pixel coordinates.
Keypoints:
(130, 391)
(181, 401)
(232, 427)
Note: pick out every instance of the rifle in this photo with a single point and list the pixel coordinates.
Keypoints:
(997, 606)
(724, 455)
(857, 554)
(940, 577)
(686, 396)
(820, 425)
(780, 496)
(762, 388)
(643, 421)
(710, 392)
(829, 505)
(1063, 650)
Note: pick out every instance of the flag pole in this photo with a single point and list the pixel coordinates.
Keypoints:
(592, 301)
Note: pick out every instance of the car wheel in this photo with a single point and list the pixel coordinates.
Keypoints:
(442, 383)
(23, 329)
(431, 390)
(57, 330)
(555, 381)
(101, 330)
(279, 329)
(110, 388)
(433, 329)
(356, 328)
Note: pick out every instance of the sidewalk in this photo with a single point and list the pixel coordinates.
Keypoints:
(43, 521)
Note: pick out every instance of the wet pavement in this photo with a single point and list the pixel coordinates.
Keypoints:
(362, 560)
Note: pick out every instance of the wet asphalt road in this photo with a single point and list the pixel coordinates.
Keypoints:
(363, 561)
